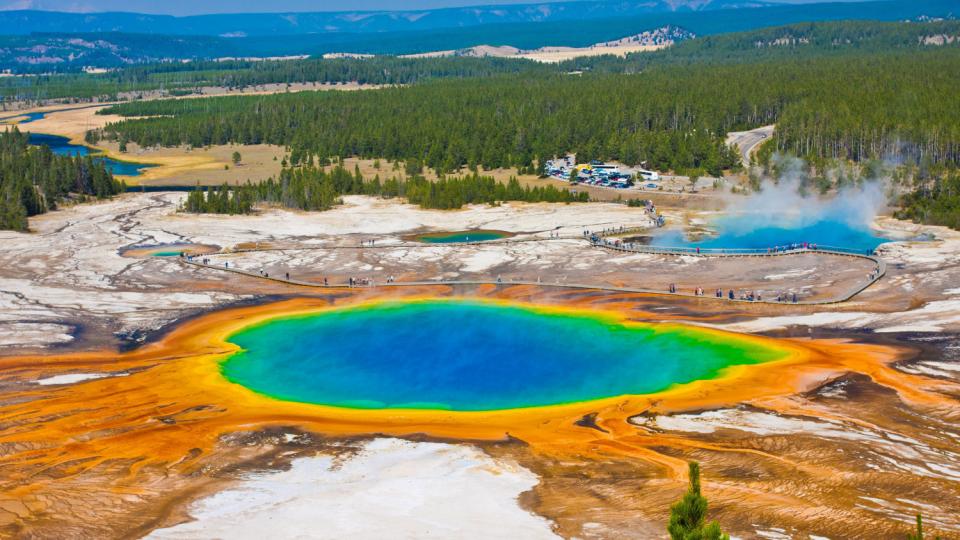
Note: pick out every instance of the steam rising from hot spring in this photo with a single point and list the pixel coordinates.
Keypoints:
(783, 204)
(782, 213)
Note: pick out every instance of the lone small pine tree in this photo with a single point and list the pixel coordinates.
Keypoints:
(918, 534)
(689, 515)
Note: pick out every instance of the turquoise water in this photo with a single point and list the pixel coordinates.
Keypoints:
(472, 356)
(462, 236)
(63, 147)
(743, 232)
(162, 250)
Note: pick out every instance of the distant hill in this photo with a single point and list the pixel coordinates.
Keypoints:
(807, 41)
(272, 24)
(65, 52)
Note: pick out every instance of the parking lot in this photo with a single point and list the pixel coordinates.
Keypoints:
(620, 177)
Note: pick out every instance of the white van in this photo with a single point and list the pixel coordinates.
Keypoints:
(653, 176)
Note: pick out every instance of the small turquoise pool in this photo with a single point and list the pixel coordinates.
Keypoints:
(166, 250)
(63, 147)
(474, 356)
(742, 231)
(477, 235)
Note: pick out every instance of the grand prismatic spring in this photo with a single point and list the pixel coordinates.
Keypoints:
(474, 356)
(539, 373)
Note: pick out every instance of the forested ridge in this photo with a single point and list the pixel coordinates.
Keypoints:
(34, 180)
(895, 105)
(186, 77)
(809, 40)
(103, 47)
(316, 188)
(806, 40)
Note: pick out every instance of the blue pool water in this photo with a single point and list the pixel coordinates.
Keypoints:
(27, 117)
(63, 147)
(743, 232)
(472, 356)
(59, 145)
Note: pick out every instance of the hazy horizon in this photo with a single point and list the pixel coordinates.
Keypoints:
(187, 8)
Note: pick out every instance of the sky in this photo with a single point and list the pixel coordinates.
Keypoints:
(196, 7)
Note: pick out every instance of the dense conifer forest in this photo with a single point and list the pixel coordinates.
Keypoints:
(936, 201)
(183, 78)
(315, 188)
(837, 91)
(34, 180)
(808, 40)
(495, 122)
(42, 42)
(892, 105)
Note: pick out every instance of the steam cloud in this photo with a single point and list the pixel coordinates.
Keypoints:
(783, 202)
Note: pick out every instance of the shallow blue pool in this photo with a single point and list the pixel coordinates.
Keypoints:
(743, 232)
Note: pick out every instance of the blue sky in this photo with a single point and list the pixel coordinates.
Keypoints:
(194, 7)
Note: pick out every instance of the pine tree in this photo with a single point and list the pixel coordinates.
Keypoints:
(918, 534)
(688, 516)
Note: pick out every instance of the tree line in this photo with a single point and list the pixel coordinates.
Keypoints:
(317, 189)
(673, 123)
(34, 180)
(935, 201)
(178, 78)
(885, 106)
(806, 40)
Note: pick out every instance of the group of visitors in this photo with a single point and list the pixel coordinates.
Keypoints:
(744, 295)
(604, 232)
(783, 297)
(792, 247)
(658, 219)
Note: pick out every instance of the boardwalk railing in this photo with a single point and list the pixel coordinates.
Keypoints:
(602, 239)
(879, 272)
(720, 252)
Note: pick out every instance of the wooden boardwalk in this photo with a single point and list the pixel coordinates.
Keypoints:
(878, 273)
